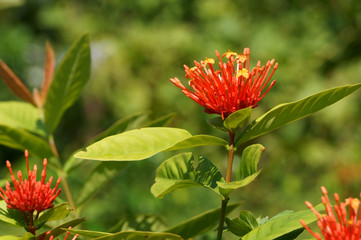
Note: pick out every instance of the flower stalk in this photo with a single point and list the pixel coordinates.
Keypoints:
(228, 179)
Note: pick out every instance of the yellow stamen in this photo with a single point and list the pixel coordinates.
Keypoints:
(207, 61)
(242, 58)
(354, 203)
(243, 72)
(229, 54)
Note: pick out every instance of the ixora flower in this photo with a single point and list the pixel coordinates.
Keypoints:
(233, 87)
(341, 221)
(30, 195)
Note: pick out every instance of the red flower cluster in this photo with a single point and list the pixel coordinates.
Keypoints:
(30, 195)
(230, 88)
(336, 225)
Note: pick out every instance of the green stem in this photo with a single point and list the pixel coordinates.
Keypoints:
(221, 218)
(63, 175)
(56, 154)
(230, 157)
(31, 226)
(53, 146)
(67, 192)
(230, 163)
(228, 179)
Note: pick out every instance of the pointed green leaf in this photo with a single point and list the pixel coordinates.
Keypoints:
(55, 213)
(243, 224)
(289, 112)
(247, 172)
(21, 115)
(238, 119)
(21, 139)
(282, 224)
(217, 123)
(56, 231)
(69, 80)
(87, 233)
(249, 161)
(183, 171)
(197, 141)
(225, 188)
(98, 178)
(137, 235)
(137, 144)
(118, 127)
(162, 121)
(201, 223)
(139, 222)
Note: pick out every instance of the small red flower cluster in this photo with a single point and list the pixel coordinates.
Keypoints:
(30, 195)
(336, 225)
(231, 88)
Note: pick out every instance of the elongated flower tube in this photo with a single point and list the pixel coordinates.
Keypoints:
(30, 195)
(341, 221)
(230, 88)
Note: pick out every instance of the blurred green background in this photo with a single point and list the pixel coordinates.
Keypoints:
(138, 45)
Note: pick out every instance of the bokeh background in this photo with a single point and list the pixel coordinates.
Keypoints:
(138, 45)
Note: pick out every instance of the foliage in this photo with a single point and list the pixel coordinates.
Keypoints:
(134, 50)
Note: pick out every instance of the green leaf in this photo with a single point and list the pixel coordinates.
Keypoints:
(21, 115)
(69, 80)
(243, 224)
(162, 121)
(98, 178)
(87, 233)
(137, 144)
(197, 141)
(56, 231)
(217, 123)
(9, 237)
(201, 223)
(118, 127)
(291, 235)
(289, 112)
(137, 235)
(247, 172)
(55, 213)
(183, 171)
(27, 236)
(140, 222)
(249, 161)
(10, 216)
(225, 188)
(238, 119)
(21, 139)
(282, 224)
